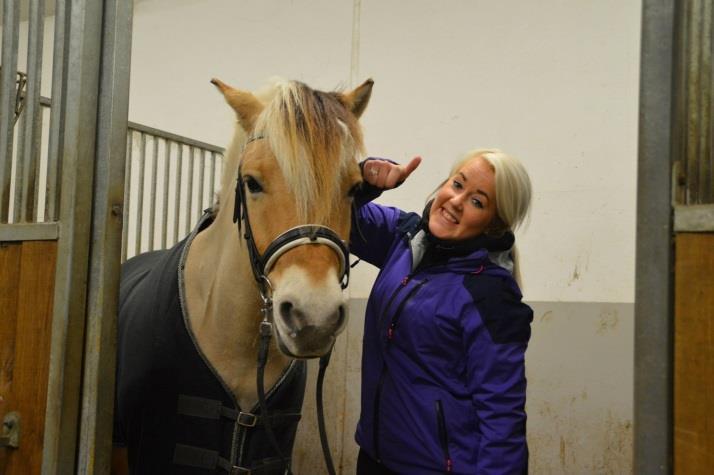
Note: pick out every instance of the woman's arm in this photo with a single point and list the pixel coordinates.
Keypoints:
(373, 226)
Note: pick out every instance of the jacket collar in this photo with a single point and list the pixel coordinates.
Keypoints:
(468, 255)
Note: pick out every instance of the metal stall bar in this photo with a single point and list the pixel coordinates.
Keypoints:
(56, 135)
(165, 189)
(79, 114)
(15, 195)
(177, 193)
(653, 440)
(8, 77)
(179, 139)
(127, 194)
(705, 105)
(201, 176)
(693, 133)
(691, 28)
(95, 441)
(189, 191)
(27, 211)
(140, 196)
(152, 195)
(212, 180)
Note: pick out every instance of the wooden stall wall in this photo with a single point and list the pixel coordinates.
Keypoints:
(27, 274)
(694, 354)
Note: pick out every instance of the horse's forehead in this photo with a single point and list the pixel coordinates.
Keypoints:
(260, 157)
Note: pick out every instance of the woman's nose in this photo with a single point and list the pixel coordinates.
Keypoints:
(457, 200)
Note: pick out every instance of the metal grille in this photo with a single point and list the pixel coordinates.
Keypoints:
(170, 180)
(694, 162)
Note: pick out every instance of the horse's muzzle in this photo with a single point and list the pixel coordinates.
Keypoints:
(304, 339)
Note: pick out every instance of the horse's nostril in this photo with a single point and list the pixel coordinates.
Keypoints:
(293, 318)
(341, 316)
(285, 309)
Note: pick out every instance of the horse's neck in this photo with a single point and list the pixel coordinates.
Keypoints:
(224, 309)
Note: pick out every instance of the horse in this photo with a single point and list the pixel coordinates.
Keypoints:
(268, 258)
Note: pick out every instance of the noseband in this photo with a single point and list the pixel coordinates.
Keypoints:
(308, 234)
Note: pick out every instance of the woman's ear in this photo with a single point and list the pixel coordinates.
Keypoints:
(246, 106)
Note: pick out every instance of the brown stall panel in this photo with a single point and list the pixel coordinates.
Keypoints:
(694, 354)
(26, 289)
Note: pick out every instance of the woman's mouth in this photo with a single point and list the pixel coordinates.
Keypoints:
(448, 216)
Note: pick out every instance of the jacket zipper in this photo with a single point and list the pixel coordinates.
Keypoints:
(395, 318)
(396, 291)
(443, 436)
(390, 335)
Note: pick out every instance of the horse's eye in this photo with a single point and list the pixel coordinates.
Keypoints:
(252, 184)
(353, 191)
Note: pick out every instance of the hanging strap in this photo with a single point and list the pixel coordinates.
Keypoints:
(324, 361)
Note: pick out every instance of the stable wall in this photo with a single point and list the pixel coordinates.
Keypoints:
(553, 82)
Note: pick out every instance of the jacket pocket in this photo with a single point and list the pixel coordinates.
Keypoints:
(443, 436)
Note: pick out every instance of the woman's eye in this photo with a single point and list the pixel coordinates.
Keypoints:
(353, 191)
(477, 203)
(456, 185)
(253, 185)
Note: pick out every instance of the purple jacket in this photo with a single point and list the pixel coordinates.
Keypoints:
(443, 371)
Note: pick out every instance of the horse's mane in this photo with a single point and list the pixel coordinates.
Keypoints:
(313, 136)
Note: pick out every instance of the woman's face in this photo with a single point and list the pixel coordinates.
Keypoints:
(465, 206)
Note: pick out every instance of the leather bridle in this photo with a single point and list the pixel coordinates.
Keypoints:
(262, 264)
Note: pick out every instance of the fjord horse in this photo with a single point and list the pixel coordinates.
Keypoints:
(190, 317)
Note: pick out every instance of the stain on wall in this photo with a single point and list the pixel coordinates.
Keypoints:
(580, 371)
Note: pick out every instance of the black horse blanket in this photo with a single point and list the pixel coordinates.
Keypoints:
(173, 412)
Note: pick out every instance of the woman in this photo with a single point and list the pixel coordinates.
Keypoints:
(443, 372)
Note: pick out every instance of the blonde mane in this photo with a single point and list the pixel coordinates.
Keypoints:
(313, 136)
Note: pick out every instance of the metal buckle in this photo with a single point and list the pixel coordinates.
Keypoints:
(246, 419)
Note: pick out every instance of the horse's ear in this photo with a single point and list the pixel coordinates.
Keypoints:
(357, 99)
(246, 105)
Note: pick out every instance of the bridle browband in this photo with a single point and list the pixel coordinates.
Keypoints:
(261, 265)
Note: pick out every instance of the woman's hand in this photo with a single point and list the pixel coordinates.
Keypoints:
(387, 175)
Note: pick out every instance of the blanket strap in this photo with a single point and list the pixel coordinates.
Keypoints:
(213, 409)
(197, 457)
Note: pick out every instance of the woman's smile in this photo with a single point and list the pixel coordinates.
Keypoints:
(447, 216)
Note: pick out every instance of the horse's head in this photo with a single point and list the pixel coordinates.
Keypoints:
(296, 153)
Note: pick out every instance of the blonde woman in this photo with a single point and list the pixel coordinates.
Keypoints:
(443, 373)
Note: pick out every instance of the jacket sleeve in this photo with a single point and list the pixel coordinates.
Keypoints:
(496, 334)
(374, 228)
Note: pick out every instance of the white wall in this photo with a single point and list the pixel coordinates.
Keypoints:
(552, 82)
